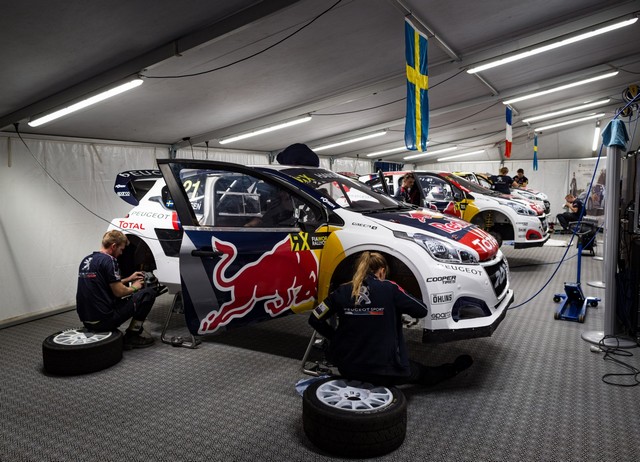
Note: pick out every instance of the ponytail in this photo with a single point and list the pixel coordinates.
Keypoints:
(369, 262)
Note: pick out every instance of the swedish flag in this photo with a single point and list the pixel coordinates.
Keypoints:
(416, 128)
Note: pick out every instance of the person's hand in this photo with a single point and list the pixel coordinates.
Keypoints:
(138, 284)
(137, 276)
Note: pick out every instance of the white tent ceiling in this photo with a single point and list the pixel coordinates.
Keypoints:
(346, 68)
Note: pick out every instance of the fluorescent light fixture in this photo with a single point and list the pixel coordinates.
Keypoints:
(560, 88)
(41, 120)
(349, 141)
(270, 128)
(473, 153)
(596, 137)
(569, 122)
(550, 115)
(387, 151)
(550, 46)
(439, 151)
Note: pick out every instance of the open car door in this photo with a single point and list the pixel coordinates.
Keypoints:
(244, 255)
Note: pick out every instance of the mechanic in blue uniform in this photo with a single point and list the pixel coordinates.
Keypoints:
(368, 343)
(408, 191)
(104, 301)
(574, 206)
(502, 182)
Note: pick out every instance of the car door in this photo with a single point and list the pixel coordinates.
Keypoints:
(238, 265)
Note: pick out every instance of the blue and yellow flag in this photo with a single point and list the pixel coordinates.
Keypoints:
(416, 128)
(535, 152)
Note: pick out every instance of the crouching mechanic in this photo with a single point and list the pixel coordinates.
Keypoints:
(368, 344)
(100, 298)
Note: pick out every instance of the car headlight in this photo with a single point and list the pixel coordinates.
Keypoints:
(445, 251)
(521, 209)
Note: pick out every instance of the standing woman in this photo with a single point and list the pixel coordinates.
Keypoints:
(368, 343)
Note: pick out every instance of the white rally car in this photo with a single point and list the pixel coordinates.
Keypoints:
(507, 220)
(245, 244)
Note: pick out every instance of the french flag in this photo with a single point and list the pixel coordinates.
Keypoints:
(509, 137)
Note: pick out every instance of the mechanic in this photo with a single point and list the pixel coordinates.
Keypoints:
(575, 207)
(368, 344)
(520, 181)
(502, 182)
(103, 299)
(408, 192)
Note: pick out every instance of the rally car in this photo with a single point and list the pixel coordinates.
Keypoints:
(539, 198)
(245, 244)
(506, 220)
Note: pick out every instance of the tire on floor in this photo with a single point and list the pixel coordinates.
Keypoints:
(354, 419)
(78, 351)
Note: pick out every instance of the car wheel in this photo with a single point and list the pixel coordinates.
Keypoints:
(78, 351)
(353, 418)
(497, 237)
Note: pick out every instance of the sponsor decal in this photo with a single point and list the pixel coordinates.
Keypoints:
(320, 310)
(364, 225)
(299, 242)
(438, 316)
(500, 276)
(304, 178)
(439, 299)
(462, 269)
(137, 173)
(156, 215)
(443, 279)
(120, 186)
(450, 227)
(127, 225)
(283, 289)
(123, 193)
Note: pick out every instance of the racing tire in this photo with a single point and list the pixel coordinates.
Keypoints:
(354, 419)
(78, 351)
(497, 237)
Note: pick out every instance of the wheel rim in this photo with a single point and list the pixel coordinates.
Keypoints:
(80, 337)
(354, 396)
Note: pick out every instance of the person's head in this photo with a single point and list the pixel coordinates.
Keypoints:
(368, 263)
(569, 198)
(408, 180)
(520, 172)
(504, 171)
(114, 242)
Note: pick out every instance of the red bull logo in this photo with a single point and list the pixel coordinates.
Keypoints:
(275, 279)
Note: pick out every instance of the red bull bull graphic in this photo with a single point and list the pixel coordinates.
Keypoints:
(248, 286)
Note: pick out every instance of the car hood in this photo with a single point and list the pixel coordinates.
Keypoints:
(436, 223)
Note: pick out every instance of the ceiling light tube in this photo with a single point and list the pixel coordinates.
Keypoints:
(569, 110)
(550, 46)
(349, 141)
(596, 137)
(560, 88)
(41, 120)
(439, 151)
(569, 122)
(270, 128)
(387, 151)
(473, 153)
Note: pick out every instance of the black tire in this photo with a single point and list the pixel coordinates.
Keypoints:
(78, 351)
(497, 236)
(378, 428)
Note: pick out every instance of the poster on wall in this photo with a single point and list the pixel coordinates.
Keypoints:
(581, 173)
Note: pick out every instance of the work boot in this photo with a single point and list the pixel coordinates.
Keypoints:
(137, 339)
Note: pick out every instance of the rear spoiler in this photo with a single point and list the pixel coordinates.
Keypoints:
(132, 185)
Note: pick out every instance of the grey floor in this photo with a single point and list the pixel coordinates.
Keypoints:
(535, 392)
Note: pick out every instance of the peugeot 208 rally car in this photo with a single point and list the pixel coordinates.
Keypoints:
(246, 244)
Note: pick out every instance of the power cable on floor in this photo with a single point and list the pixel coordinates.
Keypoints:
(609, 353)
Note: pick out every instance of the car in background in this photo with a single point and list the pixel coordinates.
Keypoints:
(507, 220)
(540, 198)
(208, 231)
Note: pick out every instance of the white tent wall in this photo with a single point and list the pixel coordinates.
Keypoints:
(225, 155)
(44, 232)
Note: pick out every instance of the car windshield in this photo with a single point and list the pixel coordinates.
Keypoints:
(346, 192)
(471, 186)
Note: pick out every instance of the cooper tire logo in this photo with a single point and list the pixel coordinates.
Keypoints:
(442, 279)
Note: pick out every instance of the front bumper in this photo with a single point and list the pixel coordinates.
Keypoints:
(450, 335)
(528, 244)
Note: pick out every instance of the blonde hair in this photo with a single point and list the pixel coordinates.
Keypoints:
(504, 171)
(114, 237)
(369, 262)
